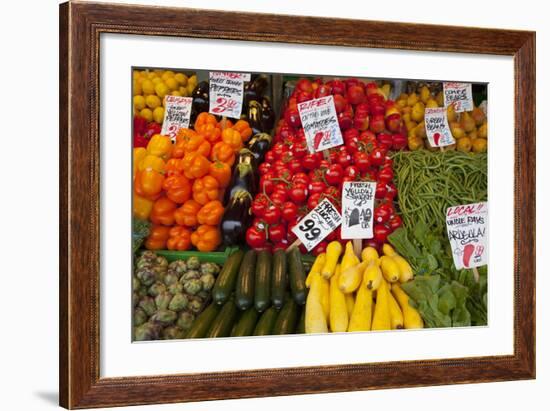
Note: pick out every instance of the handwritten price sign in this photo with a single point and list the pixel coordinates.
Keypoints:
(467, 231)
(458, 95)
(226, 93)
(437, 127)
(317, 224)
(357, 209)
(320, 124)
(177, 112)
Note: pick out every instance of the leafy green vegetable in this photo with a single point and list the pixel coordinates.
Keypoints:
(140, 231)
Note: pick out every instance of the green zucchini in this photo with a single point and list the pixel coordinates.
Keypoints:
(263, 281)
(286, 320)
(296, 276)
(225, 283)
(301, 327)
(244, 290)
(222, 324)
(266, 322)
(202, 324)
(245, 325)
(278, 279)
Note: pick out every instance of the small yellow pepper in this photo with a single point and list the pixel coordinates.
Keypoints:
(160, 146)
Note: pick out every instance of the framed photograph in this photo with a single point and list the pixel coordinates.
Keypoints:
(256, 205)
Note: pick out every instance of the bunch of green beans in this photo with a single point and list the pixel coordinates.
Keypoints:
(430, 182)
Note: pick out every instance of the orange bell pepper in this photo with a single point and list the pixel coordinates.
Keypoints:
(244, 129)
(180, 238)
(221, 172)
(206, 189)
(163, 212)
(206, 238)
(205, 118)
(160, 146)
(233, 138)
(139, 155)
(211, 213)
(174, 166)
(158, 235)
(223, 152)
(210, 132)
(142, 207)
(187, 214)
(177, 188)
(195, 165)
(152, 162)
(148, 183)
(184, 134)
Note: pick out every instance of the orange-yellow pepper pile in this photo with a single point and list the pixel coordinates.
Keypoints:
(179, 186)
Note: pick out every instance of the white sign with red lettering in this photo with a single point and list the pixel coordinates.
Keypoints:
(458, 95)
(317, 224)
(177, 112)
(437, 127)
(320, 124)
(357, 209)
(226, 93)
(467, 231)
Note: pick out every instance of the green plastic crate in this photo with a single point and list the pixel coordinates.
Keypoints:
(217, 257)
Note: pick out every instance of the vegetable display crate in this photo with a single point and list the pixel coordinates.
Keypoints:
(217, 257)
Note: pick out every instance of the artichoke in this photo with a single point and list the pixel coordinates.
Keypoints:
(161, 263)
(146, 275)
(136, 284)
(190, 275)
(204, 295)
(208, 281)
(147, 331)
(210, 268)
(164, 317)
(173, 333)
(175, 288)
(178, 302)
(170, 279)
(135, 299)
(193, 263)
(177, 267)
(148, 305)
(140, 317)
(142, 292)
(162, 300)
(185, 320)
(195, 305)
(192, 286)
(156, 289)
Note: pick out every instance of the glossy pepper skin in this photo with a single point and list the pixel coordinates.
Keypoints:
(206, 238)
(195, 165)
(179, 238)
(158, 235)
(174, 166)
(221, 172)
(206, 189)
(233, 138)
(152, 162)
(207, 126)
(244, 129)
(177, 188)
(148, 183)
(163, 212)
(211, 213)
(142, 207)
(187, 214)
(223, 152)
(160, 146)
(138, 155)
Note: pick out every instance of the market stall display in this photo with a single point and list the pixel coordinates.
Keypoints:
(219, 205)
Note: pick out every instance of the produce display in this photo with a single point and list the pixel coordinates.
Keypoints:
(232, 235)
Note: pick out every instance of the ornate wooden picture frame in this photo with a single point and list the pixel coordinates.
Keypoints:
(81, 25)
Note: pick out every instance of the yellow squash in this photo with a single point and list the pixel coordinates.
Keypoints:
(396, 316)
(338, 307)
(405, 269)
(334, 249)
(388, 250)
(369, 254)
(411, 317)
(325, 296)
(350, 303)
(372, 278)
(382, 317)
(390, 269)
(350, 279)
(315, 318)
(316, 268)
(361, 316)
(349, 259)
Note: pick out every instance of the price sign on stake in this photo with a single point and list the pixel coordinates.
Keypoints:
(467, 231)
(226, 93)
(357, 209)
(320, 124)
(177, 112)
(437, 127)
(317, 224)
(458, 95)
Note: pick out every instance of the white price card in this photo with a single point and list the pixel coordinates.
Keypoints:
(226, 93)
(437, 127)
(177, 112)
(317, 224)
(320, 124)
(357, 209)
(467, 231)
(458, 95)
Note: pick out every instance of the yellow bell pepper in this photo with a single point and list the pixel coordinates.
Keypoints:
(152, 162)
(142, 207)
(139, 155)
(160, 146)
